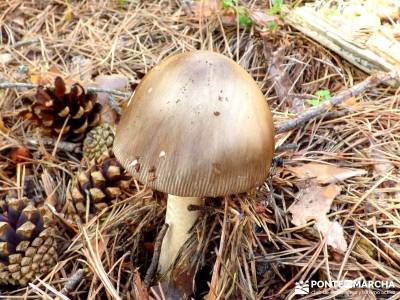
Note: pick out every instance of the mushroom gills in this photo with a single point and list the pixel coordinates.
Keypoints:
(180, 221)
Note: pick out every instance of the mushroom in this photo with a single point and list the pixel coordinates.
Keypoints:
(197, 126)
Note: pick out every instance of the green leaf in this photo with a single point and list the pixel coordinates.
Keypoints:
(122, 3)
(323, 94)
(228, 3)
(276, 7)
(244, 20)
(313, 102)
(272, 25)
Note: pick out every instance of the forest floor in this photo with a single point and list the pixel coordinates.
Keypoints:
(328, 211)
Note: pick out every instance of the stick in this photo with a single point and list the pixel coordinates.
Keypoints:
(62, 145)
(369, 82)
(156, 255)
(21, 85)
(72, 282)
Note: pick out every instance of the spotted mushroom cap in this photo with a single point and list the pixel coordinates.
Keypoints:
(197, 125)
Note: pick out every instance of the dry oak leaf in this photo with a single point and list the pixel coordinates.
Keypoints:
(314, 202)
(324, 173)
(333, 232)
(205, 8)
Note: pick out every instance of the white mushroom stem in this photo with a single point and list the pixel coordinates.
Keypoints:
(180, 221)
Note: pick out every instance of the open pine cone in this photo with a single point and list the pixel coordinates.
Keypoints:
(54, 105)
(98, 143)
(28, 247)
(102, 185)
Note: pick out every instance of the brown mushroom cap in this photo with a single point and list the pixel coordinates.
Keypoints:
(198, 125)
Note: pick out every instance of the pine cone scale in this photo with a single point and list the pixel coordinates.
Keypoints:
(26, 242)
(101, 185)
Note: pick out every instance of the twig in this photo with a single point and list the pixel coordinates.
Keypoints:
(156, 255)
(324, 107)
(62, 145)
(25, 43)
(21, 85)
(72, 282)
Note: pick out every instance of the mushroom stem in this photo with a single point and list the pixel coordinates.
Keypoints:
(180, 220)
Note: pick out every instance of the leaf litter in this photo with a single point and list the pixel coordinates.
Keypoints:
(349, 149)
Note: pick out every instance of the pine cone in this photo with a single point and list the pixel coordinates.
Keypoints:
(98, 143)
(28, 247)
(53, 106)
(102, 185)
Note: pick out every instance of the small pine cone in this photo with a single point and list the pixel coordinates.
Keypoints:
(98, 143)
(54, 105)
(28, 247)
(102, 185)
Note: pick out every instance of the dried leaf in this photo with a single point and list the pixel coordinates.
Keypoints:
(261, 18)
(82, 68)
(47, 77)
(366, 246)
(112, 82)
(68, 14)
(349, 102)
(5, 58)
(314, 203)
(325, 173)
(204, 8)
(3, 127)
(333, 232)
(20, 154)
(280, 78)
(383, 165)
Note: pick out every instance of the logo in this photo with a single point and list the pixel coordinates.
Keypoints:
(325, 287)
(302, 288)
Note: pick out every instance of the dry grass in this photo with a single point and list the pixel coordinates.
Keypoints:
(263, 254)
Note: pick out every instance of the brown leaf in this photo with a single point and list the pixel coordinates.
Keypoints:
(20, 154)
(112, 82)
(333, 232)
(47, 77)
(261, 18)
(279, 76)
(3, 127)
(81, 69)
(205, 8)
(349, 102)
(314, 203)
(325, 173)
(382, 166)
